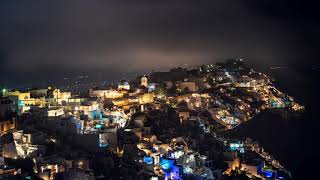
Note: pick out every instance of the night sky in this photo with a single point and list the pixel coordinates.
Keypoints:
(44, 39)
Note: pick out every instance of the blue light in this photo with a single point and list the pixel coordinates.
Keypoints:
(20, 103)
(166, 164)
(280, 175)
(103, 145)
(148, 160)
(236, 147)
(268, 173)
(98, 126)
(174, 173)
(79, 125)
(96, 114)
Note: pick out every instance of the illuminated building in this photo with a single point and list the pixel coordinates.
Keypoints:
(48, 171)
(172, 160)
(106, 93)
(89, 106)
(117, 117)
(146, 98)
(22, 96)
(246, 82)
(296, 107)
(55, 111)
(34, 137)
(123, 85)
(277, 103)
(7, 121)
(237, 147)
(120, 102)
(76, 100)
(91, 109)
(187, 86)
(23, 144)
(192, 100)
(61, 96)
(151, 87)
(144, 81)
(6, 125)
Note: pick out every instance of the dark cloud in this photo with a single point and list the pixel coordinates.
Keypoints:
(143, 35)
